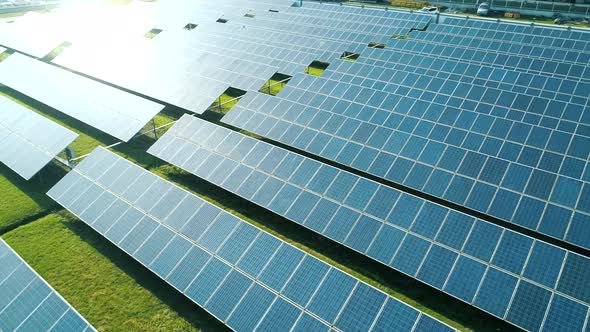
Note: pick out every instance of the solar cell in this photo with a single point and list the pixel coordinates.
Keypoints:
(446, 249)
(28, 303)
(112, 111)
(29, 141)
(243, 276)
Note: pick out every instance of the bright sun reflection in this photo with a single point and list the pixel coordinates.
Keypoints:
(105, 37)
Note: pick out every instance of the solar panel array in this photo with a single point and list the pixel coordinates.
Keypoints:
(28, 303)
(181, 76)
(495, 140)
(491, 116)
(110, 110)
(245, 277)
(29, 141)
(453, 252)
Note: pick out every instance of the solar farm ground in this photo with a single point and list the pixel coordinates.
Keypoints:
(81, 264)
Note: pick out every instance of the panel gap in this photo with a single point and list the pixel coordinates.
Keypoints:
(395, 36)
(4, 55)
(376, 45)
(56, 51)
(190, 26)
(316, 68)
(350, 56)
(275, 84)
(226, 101)
(152, 33)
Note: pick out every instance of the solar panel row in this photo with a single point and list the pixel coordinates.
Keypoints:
(29, 141)
(541, 103)
(529, 29)
(443, 248)
(508, 72)
(440, 149)
(527, 56)
(112, 111)
(28, 303)
(277, 48)
(368, 29)
(497, 60)
(245, 277)
(558, 49)
(285, 58)
(362, 15)
(80, 58)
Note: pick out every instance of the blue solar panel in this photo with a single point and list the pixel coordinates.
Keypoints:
(486, 144)
(28, 303)
(243, 276)
(444, 248)
(529, 306)
(565, 315)
(495, 292)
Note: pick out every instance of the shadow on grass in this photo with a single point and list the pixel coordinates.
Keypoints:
(187, 309)
(431, 300)
(34, 189)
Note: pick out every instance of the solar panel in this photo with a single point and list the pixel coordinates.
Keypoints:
(28, 303)
(469, 144)
(198, 78)
(523, 45)
(32, 34)
(29, 141)
(110, 110)
(532, 30)
(243, 276)
(441, 247)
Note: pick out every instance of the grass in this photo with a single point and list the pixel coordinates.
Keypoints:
(5, 55)
(25, 200)
(113, 291)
